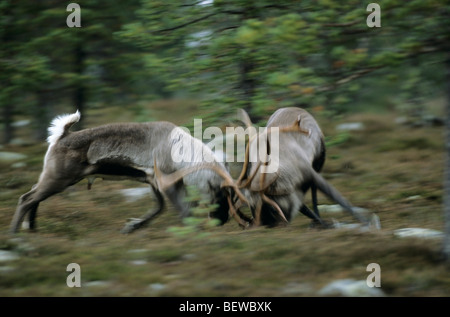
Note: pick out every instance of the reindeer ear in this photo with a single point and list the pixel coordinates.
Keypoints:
(297, 122)
(296, 126)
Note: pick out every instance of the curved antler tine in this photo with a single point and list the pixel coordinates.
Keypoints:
(250, 179)
(166, 180)
(245, 166)
(163, 181)
(258, 210)
(274, 205)
(245, 118)
(236, 217)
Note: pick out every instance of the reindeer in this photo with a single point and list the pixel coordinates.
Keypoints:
(313, 145)
(301, 159)
(127, 151)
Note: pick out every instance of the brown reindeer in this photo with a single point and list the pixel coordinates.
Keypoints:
(127, 151)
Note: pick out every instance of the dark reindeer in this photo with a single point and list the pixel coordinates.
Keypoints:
(313, 146)
(301, 159)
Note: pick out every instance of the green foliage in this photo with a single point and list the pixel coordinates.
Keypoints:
(198, 220)
(261, 55)
(337, 139)
(258, 55)
(46, 64)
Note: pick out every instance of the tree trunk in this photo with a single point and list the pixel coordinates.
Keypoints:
(8, 130)
(247, 83)
(446, 242)
(79, 96)
(41, 115)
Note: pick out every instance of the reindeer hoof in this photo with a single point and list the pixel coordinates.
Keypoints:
(131, 225)
(321, 225)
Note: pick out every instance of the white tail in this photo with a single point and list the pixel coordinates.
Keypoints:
(60, 125)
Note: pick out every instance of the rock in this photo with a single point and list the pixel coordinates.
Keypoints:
(135, 194)
(350, 288)
(137, 251)
(156, 287)
(7, 256)
(341, 225)
(138, 262)
(401, 120)
(11, 157)
(19, 165)
(21, 123)
(189, 257)
(418, 233)
(338, 208)
(350, 126)
(96, 284)
(330, 208)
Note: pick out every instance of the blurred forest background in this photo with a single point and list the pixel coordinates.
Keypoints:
(146, 60)
(258, 55)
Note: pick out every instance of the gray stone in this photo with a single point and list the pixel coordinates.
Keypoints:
(350, 288)
(11, 156)
(21, 123)
(157, 287)
(189, 257)
(19, 165)
(96, 284)
(7, 256)
(418, 233)
(138, 262)
(330, 208)
(351, 126)
(135, 194)
(137, 250)
(338, 208)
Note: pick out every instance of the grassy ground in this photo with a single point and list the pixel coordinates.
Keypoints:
(393, 170)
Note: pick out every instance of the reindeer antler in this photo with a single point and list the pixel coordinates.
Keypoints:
(295, 127)
(166, 180)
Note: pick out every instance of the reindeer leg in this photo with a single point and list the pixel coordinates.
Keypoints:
(314, 199)
(136, 223)
(331, 192)
(25, 205)
(316, 220)
(29, 202)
